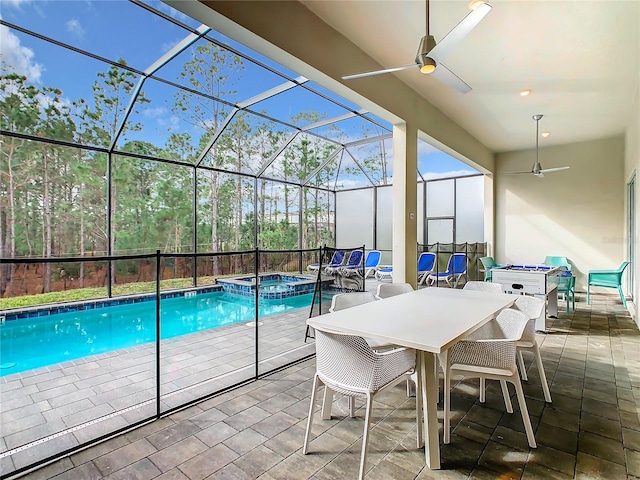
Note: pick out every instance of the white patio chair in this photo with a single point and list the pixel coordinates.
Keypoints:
(490, 352)
(532, 308)
(477, 286)
(386, 290)
(346, 364)
(340, 301)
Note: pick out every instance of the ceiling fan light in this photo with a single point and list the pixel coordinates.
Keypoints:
(546, 134)
(473, 4)
(526, 92)
(428, 66)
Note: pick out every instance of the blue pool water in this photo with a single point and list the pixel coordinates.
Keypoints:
(36, 342)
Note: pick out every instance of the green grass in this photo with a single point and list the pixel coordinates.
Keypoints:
(79, 294)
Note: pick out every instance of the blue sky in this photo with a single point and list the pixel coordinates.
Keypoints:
(119, 29)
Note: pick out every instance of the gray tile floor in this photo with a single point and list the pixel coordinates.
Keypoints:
(590, 431)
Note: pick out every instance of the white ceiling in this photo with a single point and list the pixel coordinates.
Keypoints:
(580, 58)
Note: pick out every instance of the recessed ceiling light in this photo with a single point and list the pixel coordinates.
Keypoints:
(524, 93)
(546, 134)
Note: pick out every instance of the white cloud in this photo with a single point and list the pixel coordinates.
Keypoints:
(17, 57)
(172, 12)
(14, 3)
(172, 123)
(153, 112)
(73, 26)
(166, 46)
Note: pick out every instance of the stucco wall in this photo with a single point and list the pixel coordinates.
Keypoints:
(577, 213)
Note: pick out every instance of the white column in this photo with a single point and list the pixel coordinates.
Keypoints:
(489, 217)
(405, 168)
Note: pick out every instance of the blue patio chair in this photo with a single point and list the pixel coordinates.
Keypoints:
(337, 259)
(384, 273)
(456, 268)
(487, 264)
(608, 279)
(354, 261)
(371, 263)
(426, 266)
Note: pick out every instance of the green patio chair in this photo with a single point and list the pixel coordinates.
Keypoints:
(557, 262)
(487, 264)
(567, 286)
(608, 279)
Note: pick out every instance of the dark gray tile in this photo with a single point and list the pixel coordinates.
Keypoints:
(633, 462)
(553, 459)
(602, 447)
(208, 462)
(124, 456)
(601, 425)
(557, 438)
(588, 466)
(501, 458)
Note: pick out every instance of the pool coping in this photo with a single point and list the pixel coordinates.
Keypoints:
(91, 304)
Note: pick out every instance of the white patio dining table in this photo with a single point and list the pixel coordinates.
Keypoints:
(429, 320)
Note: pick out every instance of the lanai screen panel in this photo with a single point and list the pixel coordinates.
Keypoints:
(171, 122)
(384, 223)
(219, 72)
(440, 198)
(354, 218)
(59, 195)
(318, 218)
(470, 209)
(301, 157)
(278, 212)
(150, 210)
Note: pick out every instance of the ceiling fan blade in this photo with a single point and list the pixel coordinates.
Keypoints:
(557, 169)
(379, 72)
(517, 173)
(458, 32)
(449, 78)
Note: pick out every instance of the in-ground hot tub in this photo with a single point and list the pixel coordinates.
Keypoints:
(272, 286)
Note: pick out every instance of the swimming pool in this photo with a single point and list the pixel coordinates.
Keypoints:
(272, 286)
(31, 343)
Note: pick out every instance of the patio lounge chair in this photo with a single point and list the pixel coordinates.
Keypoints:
(426, 266)
(456, 268)
(384, 273)
(370, 265)
(336, 260)
(354, 261)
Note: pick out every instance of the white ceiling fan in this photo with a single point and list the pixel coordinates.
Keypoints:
(537, 169)
(430, 55)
